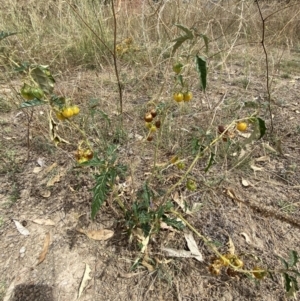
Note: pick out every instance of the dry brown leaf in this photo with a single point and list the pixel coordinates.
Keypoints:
(49, 168)
(262, 159)
(102, 234)
(129, 275)
(192, 245)
(46, 222)
(45, 193)
(268, 147)
(54, 180)
(178, 253)
(148, 266)
(255, 168)
(45, 249)
(37, 169)
(180, 202)
(86, 277)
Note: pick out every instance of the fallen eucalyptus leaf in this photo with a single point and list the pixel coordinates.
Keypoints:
(21, 228)
(45, 249)
(86, 277)
(46, 222)
(102, 234)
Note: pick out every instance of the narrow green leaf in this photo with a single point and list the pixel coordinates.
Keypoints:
(287, 282)
(5, 34)
(202, 70)
(293, 258)
(32, 103)
(262, 127)
(188, 32)
(205, 39)
(180, 79)
(296, 272)
(210, 162)
(284, 262)
(179, 41)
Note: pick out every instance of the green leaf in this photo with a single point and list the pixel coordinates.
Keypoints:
(32, 103)
(262, 127)
(146, 195)
(5, 34)
(188, 32)
(295, 271)
(180, 79)
(173, 222)
(290, 284)
(258, 132)
(205, 39)
(180, 40)
(284, 262)
(58, 101)
(293, 258)
(44, 78)
(23, 67)
(202, 70)
(210, 162)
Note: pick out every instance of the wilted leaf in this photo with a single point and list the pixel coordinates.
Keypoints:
(45, 249)
(192, 245)
(46, 222)
(86, 277)
(102, 234)
(53, 126)
(21, 229)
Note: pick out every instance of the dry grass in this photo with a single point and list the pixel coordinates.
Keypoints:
(51, 33)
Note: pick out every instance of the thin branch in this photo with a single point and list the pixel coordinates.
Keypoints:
(267, 62)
